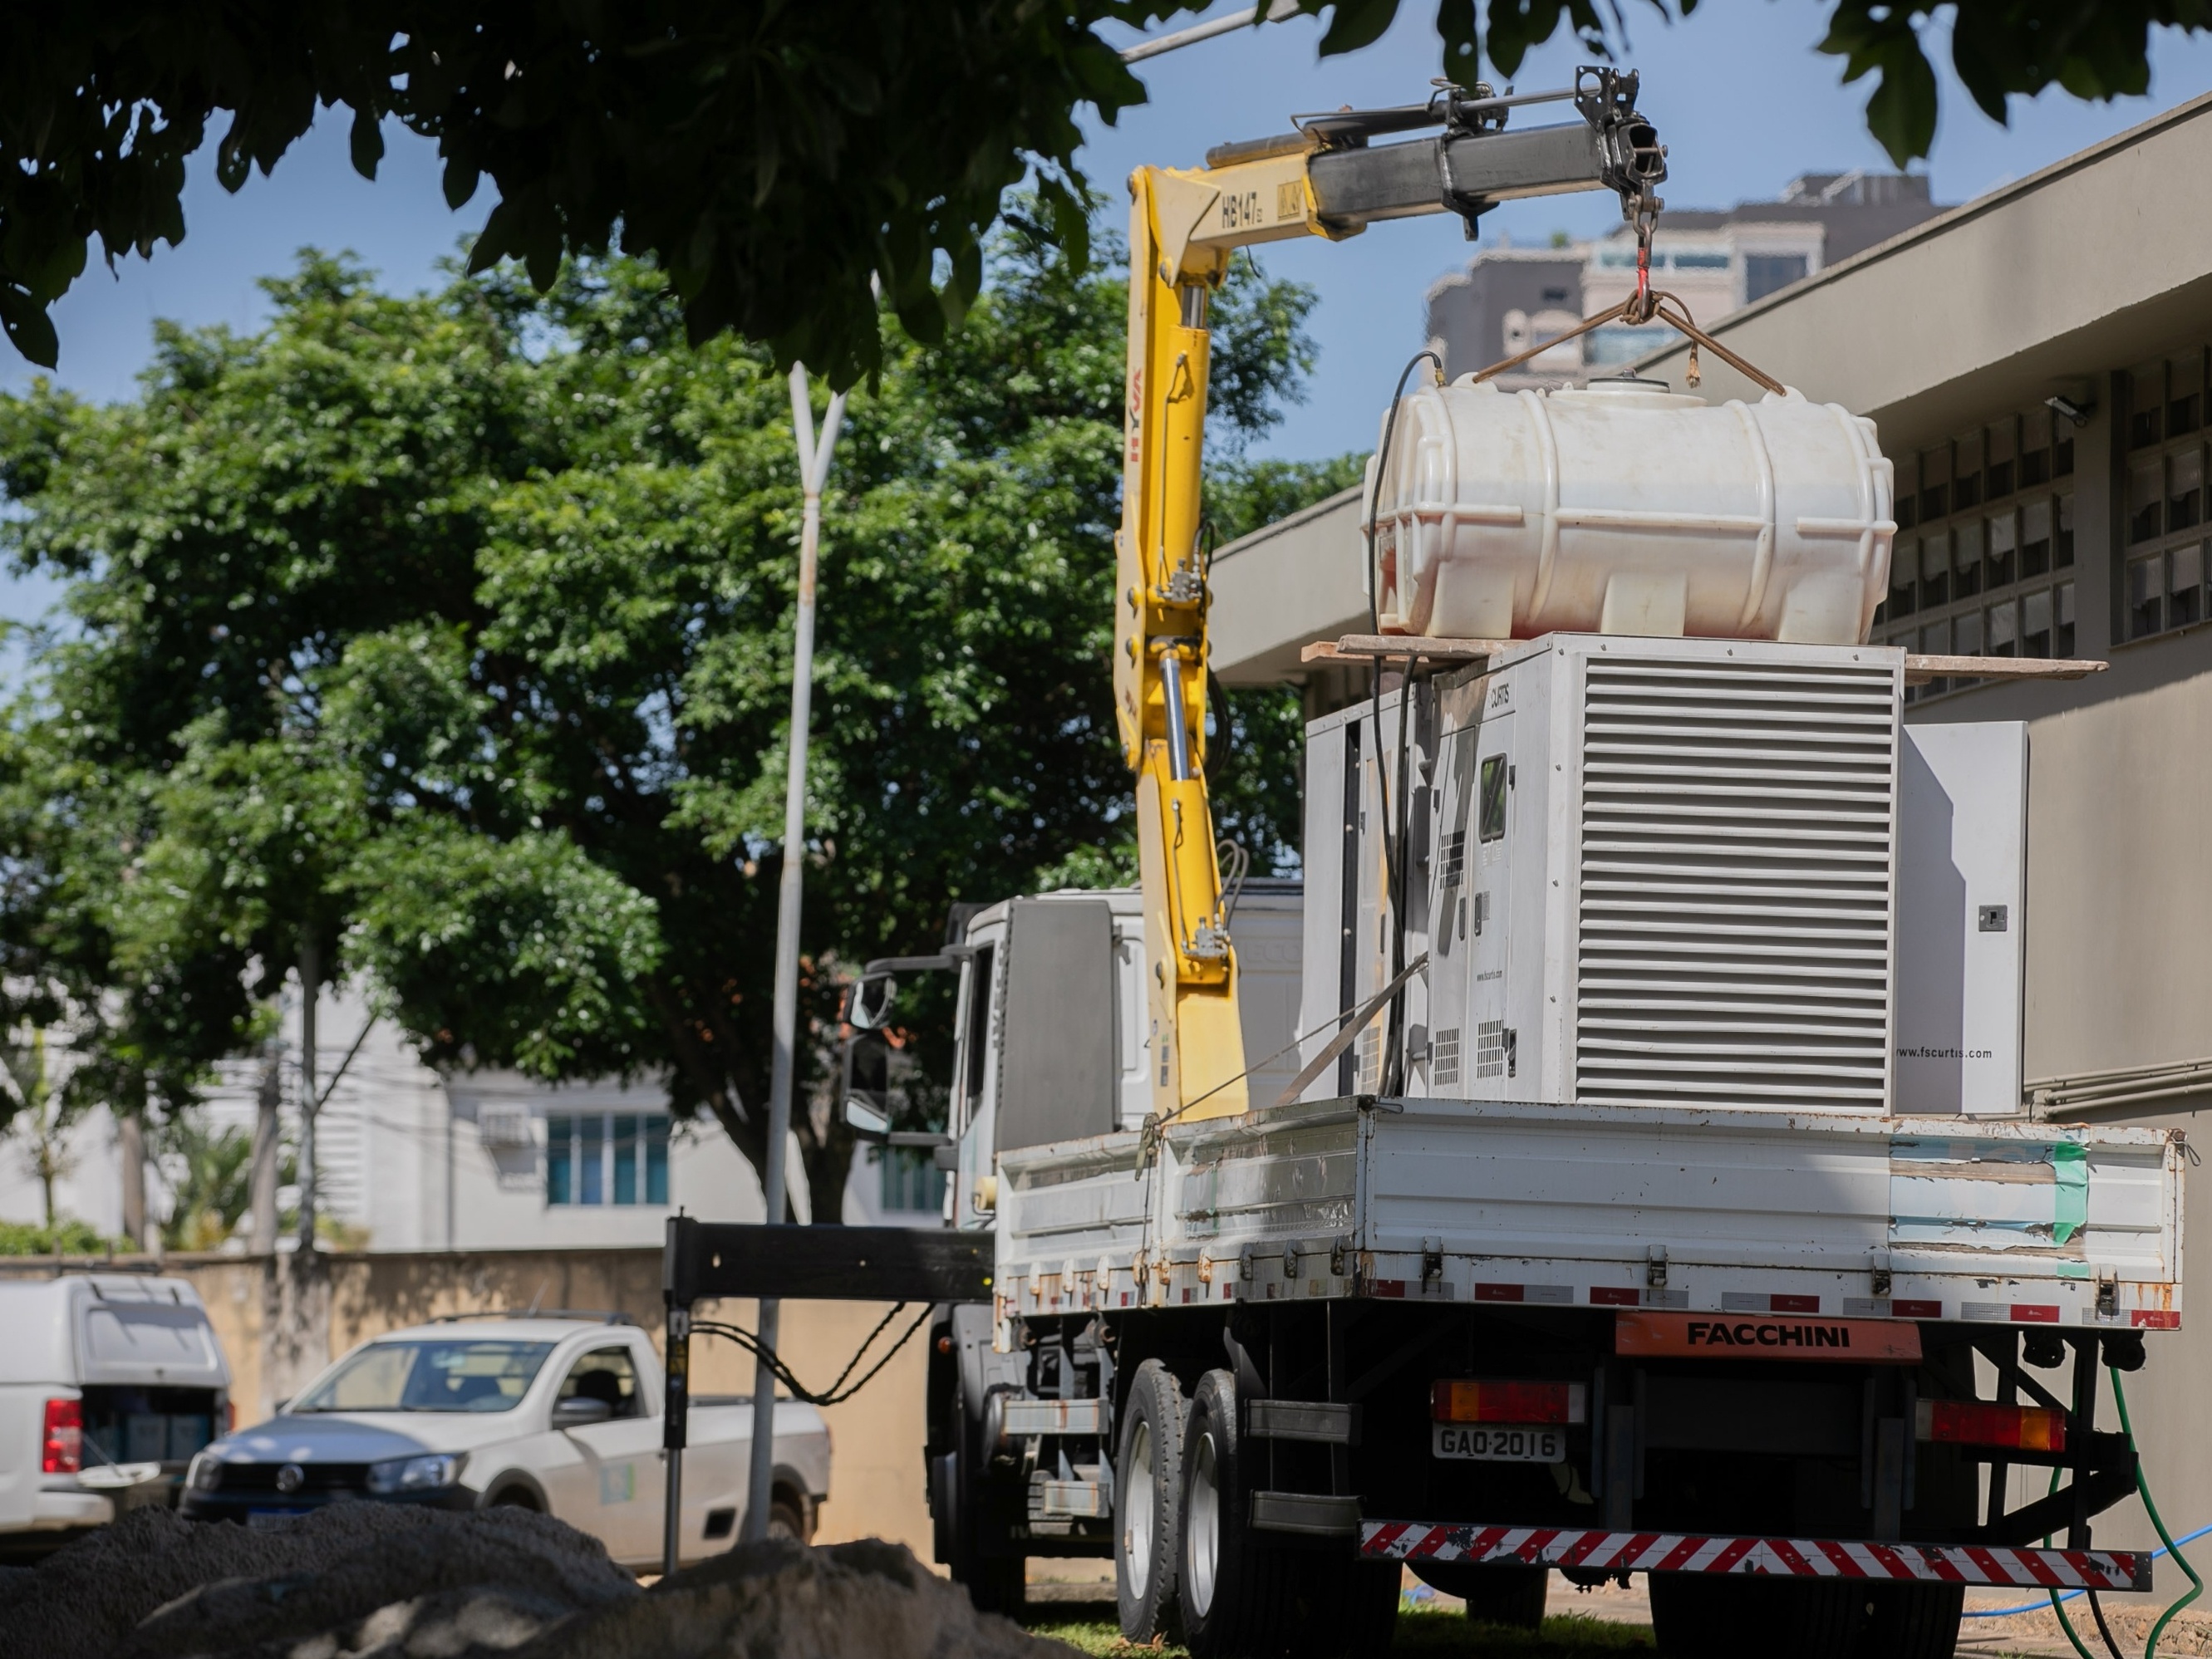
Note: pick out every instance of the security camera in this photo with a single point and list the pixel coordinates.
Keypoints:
(2073, 412)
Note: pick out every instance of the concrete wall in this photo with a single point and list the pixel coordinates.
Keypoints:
(876, 1473)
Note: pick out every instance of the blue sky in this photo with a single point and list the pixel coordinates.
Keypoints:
(1739, 95)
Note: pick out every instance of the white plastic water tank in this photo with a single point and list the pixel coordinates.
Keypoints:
(1627, 508)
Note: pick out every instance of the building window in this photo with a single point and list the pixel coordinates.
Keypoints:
(1763, 273)
(1608, 346)
(912, 1182)
(2163, 510)
(606, 1158)
(1983, 564)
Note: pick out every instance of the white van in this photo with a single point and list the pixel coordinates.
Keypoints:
(110, 1384)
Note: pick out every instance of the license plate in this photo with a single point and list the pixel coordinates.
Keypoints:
(271, 1517)
(1496, 1442)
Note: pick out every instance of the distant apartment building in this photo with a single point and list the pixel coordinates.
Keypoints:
(1509, 299)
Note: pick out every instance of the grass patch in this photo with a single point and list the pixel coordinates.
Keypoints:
(1420, 1629)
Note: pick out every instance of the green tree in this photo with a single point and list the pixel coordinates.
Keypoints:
(457, 628)
(211, 1175)
(775, 159)
(44, 1115)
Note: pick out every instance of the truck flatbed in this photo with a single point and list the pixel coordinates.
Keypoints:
(1716, 1211)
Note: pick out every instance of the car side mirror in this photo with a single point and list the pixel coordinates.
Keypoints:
(576, 1410)
(866, 1120)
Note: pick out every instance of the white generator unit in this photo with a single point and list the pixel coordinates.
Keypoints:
(1669, 871)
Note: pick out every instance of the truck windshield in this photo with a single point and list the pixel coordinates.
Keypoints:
(429, 1377)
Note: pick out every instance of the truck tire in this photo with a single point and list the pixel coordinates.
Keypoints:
(996, 1583)
(1148, 1490)
(1912, 1622)
(1494, 1595)
(1697, 1615)
(784, 1520)
(1226, 1588)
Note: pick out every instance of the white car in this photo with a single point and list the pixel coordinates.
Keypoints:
(562, 1414)
(109, 1384)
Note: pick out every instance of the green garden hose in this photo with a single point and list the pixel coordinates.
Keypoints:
(2195, 1583)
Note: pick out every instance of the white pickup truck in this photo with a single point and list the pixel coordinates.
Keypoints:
(560, 1414)
(109, 1384)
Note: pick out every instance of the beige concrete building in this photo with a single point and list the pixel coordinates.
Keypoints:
(2036, 362)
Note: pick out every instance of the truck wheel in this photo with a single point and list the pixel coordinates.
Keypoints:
(1148, 1487)
(1709, 1616)
(1494, 1595)
(785, 1522)
(1913, 1621)
(995, 1582)
(1225, 1589)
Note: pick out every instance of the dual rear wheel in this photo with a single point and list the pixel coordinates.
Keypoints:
(1189, 1557)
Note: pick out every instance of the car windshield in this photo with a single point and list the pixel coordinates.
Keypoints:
(429, 1377)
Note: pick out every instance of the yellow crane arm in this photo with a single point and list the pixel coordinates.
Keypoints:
(1326, 180)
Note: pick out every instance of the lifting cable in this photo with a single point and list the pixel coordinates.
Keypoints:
(1658, 305)
(836, 1394)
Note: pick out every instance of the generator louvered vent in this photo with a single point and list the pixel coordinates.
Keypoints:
(1734, 938)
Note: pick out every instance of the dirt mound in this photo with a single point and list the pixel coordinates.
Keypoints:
(372, 1581)
(161, 1587)
(867, 1600)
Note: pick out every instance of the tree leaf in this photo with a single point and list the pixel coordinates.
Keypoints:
(30, 330)
(368, 142)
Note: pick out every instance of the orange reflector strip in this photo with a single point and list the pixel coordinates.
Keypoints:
(1972, 1423)
(1854, 1341)
(1451, 1402)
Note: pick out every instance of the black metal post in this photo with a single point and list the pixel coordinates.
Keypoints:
(2079, 1438)
(2008, 1392)
(676, 1402)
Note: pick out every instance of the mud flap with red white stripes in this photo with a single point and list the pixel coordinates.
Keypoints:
(1802, 1558)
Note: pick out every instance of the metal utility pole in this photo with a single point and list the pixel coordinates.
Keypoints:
(813, 471)
(311, 977)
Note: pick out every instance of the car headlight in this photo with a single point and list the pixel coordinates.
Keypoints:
(424, 1474)
(205, 1473)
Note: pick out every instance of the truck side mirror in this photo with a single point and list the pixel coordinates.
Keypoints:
(871, 1002)
(866, 1120)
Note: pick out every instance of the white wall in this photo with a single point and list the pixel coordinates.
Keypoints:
(400, 1158)
(92, 1191)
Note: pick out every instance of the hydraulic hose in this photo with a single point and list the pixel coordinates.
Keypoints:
(2168, 1545)
(1382, 465)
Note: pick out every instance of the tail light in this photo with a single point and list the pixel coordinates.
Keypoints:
(1507, 1402)
(1970, 1423)
(62, 1443)
(229, 1417)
